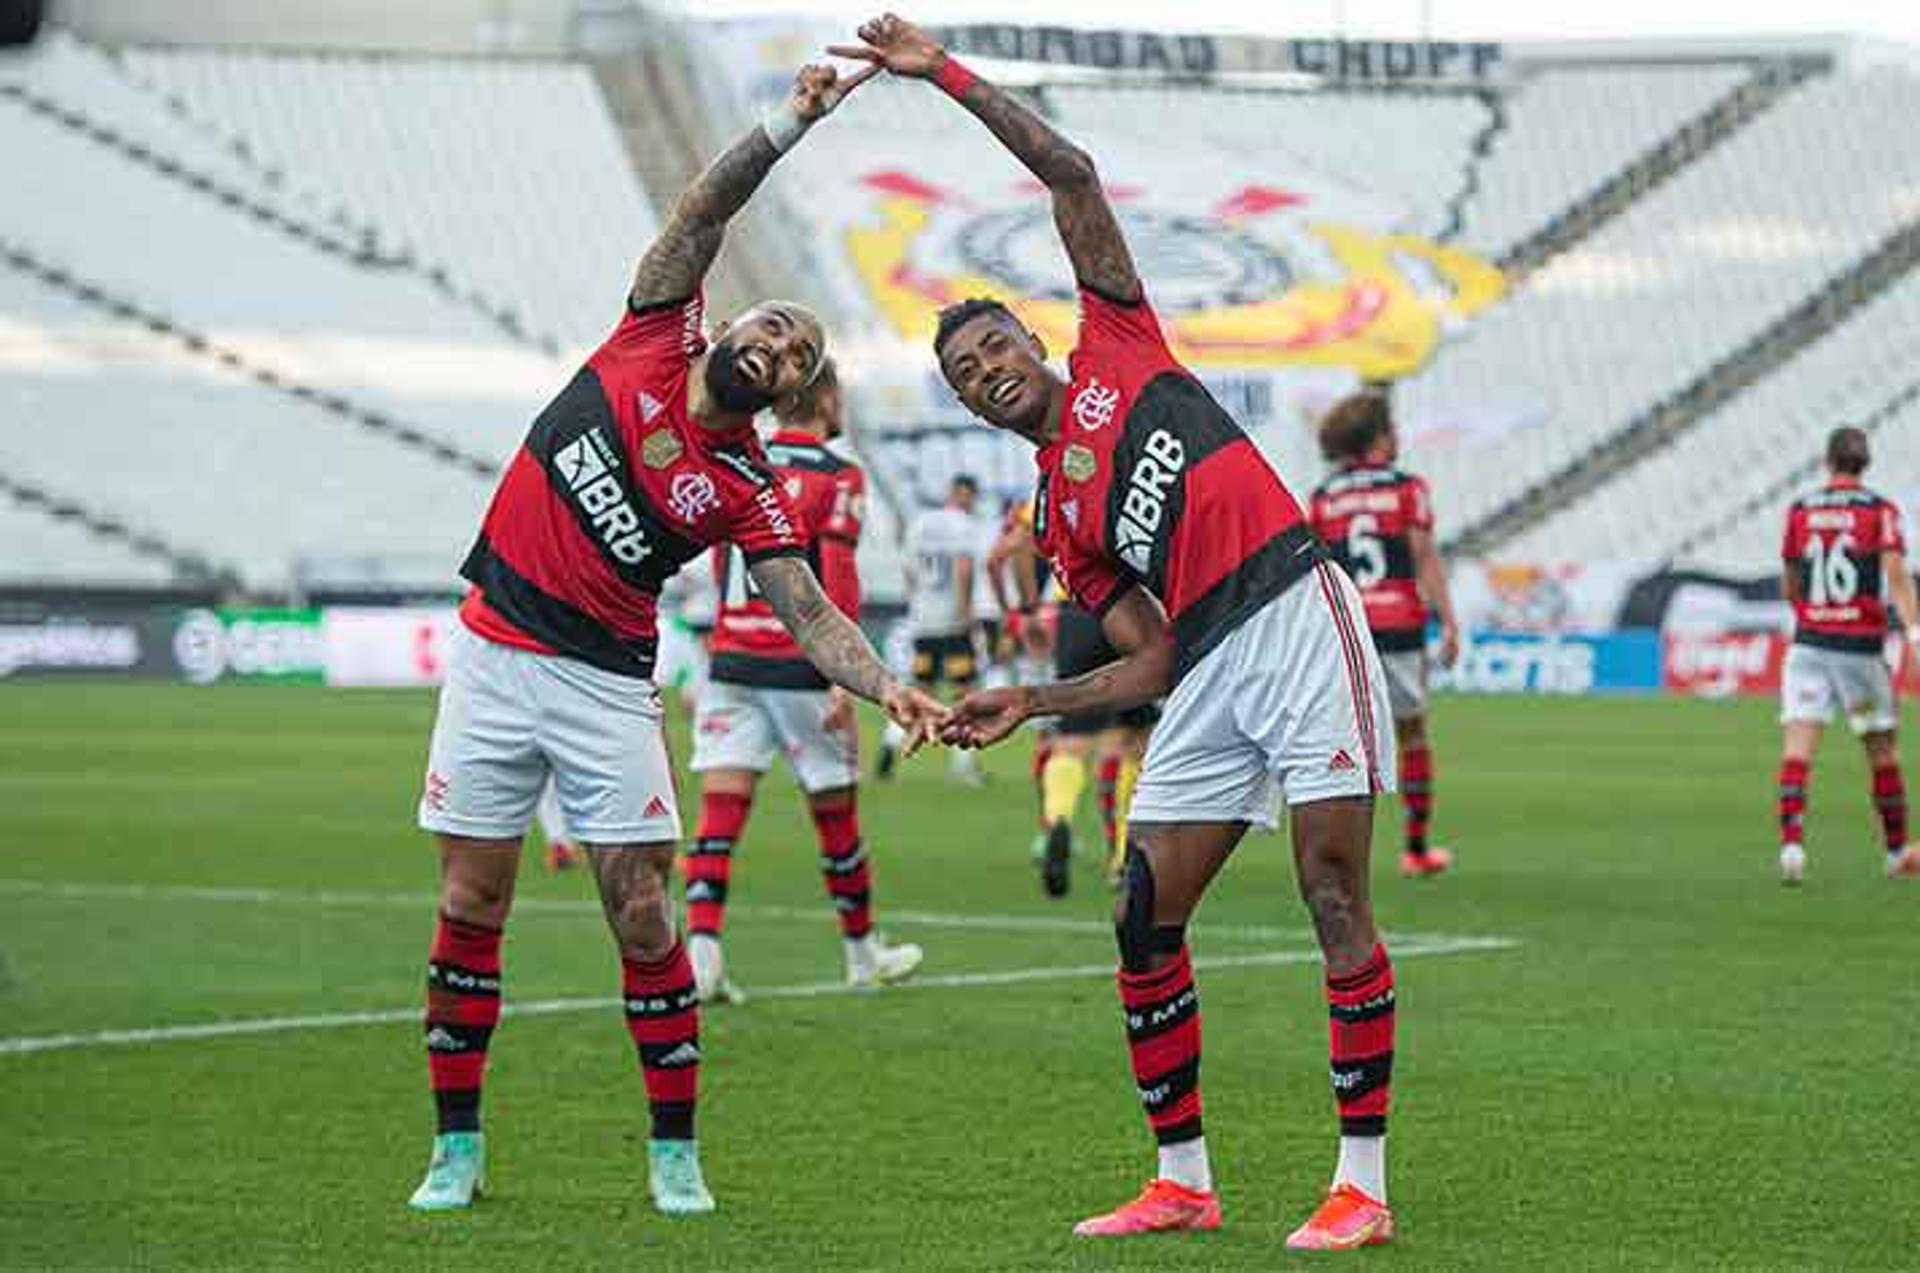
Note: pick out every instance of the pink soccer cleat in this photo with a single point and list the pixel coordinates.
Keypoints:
(1347, 1219)
(1162, 1207)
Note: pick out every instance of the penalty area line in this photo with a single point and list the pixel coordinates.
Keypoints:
(20, 1045)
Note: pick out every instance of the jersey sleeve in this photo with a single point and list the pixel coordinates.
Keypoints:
(1092, 583)
(1891, 540)
(1107, 324)
(665, 333)
(1418, 504)
(840, 574)
(766, 524)
(847, 510)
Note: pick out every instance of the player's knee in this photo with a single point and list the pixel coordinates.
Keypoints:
(475, 898)
(640, 912)
(1412, 731)
(1144, 944)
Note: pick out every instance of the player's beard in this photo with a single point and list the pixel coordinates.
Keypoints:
(730, 390)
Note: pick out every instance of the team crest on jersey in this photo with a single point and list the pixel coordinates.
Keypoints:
(1079, 463)
(793, 487)
(1094, 405)
(691, 494)
(661, 448)
(650, 407)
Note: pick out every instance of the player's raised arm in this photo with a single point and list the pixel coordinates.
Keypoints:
(1135, 625)
(835, 645)
(672, 268)
(1086, 222)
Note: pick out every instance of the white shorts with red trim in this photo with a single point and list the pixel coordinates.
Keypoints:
(1294, 699)
(1816, 683)
(508, 718)
(746, 726)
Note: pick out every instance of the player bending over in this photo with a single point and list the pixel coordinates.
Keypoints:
(1163, 518)
(942, 544)
(1378, 523)
(644, 460)
(763, 698)
(1842, 561)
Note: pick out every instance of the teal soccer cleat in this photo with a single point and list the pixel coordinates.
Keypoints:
(456, 1174)
(673, 1175)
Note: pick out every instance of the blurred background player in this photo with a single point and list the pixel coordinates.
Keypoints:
(1377, 521)
(1842, 561)
(763, 698)
(644, 460)
(561, 853)
(1164, 518)
(1111, 742)
(942, 546)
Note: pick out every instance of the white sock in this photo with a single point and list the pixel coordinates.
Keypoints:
(1185, 1163)
(860, 953)
(1363, 1164)
(709, 965)
(964, 762)
(893, 737)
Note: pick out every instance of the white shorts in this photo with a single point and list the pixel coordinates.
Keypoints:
(509, 717)
(1406, 682)
(1815, 683)
(745, 727)
(1295, 697)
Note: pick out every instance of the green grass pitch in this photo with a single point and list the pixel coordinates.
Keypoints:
(1675, 1064)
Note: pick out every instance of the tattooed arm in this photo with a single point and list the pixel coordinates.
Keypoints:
(1081, 212)
(1134, 625)
(673, 267)
(835, 645)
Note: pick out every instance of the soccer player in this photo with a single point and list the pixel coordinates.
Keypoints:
(942, 544)
(646, 458)
(1163, 518)
(1842, 561)
(1377, 521)
(763, 698)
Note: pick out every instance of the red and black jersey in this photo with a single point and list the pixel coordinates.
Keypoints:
(1152, 483)
(1366, 516)
(750, 645)
(615, 488)
(1834, 540)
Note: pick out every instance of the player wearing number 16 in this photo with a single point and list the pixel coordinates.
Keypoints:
(1842, 561)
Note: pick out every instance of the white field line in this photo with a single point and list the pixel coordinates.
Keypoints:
(424, 902)
(21, 1044)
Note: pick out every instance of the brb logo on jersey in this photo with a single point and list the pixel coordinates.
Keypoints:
(586, 465)
(1144, 506)
(1094, 405)
(692, 494)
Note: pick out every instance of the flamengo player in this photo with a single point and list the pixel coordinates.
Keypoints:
(1163, 518)
(1378, 523)
(647, 457)
(1842, 560)
(763, 698)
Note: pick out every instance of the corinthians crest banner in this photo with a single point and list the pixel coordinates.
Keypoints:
(1281, 285)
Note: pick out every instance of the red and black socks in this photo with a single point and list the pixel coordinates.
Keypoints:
(1360, 1012)
(1890, 802)
(709, 860)
(844, 865)
(1162, 1010)
(1106, 783)
(663, 1016)
(1416, 789)
(463, 1007)
(1793, 800)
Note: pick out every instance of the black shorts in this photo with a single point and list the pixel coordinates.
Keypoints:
(945, 659)
(1079, 646)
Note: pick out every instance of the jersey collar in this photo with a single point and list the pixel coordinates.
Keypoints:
(795, 437)
(1844, 482)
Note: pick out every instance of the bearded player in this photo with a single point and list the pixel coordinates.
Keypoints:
(763, 698)
(1842, 561)
(644, 460)
(1163, 518)
(1377, 522)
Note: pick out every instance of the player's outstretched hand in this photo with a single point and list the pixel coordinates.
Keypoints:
(818, 88)
(1449, 644)
(892, 42)
(923, 716)
(984, 717)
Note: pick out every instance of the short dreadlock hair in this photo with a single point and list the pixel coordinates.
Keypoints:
(1355, 426)
(958, 315)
